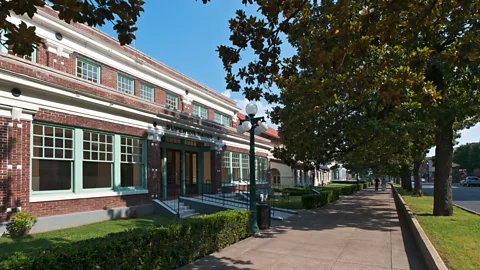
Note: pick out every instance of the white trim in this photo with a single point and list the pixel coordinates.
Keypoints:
(78, 41)
(72, 196)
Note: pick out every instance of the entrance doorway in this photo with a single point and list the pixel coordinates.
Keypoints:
(191, 172)
(174, 172)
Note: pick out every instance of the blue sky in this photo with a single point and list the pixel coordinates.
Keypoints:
(184, 35)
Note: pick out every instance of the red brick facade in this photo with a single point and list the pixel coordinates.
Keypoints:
(59, 72)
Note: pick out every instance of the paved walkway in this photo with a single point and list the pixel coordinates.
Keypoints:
(357, 232)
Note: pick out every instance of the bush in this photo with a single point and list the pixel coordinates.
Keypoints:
(166, 247)
(21, 224)
(294, 191)
(312, 201)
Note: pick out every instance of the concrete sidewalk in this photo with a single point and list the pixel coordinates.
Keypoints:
(356, 232)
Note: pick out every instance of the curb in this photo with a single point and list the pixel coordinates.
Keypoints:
(429, 253)
(466, 209)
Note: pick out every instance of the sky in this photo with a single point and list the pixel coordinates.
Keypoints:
(184, 35)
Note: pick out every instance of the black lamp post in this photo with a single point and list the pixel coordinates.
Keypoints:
(251, 124)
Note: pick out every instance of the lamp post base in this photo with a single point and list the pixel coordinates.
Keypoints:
(255, 228)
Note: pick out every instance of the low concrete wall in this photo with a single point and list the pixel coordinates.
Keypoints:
(429, 253)
(51, 223)
(160, 208)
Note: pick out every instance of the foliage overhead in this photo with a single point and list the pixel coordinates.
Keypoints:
(21, 38)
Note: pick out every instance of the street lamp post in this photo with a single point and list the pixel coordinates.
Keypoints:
(256, 126)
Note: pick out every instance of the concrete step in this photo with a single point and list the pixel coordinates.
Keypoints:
(189, 215)
(186, 211)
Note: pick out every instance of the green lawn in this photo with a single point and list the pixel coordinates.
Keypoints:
(456, 238)
(94, 230)
(289, 202)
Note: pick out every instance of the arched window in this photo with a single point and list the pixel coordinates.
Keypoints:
(275, 176)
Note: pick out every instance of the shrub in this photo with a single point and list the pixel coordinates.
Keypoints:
(21, 224)
(312, 201)
(295, 191)
(165, 247)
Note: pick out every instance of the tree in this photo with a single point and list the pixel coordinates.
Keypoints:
(122, 14)
(354, 63)
(468, 156)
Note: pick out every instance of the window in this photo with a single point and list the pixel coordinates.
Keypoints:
(171, 101)
(226, 167)
(147, 92)
(245, 166)
(235, 166)
(260, 169)
(52, 158)
(125, 84)
(97, 160)
(221, 119)
(190, 143)
(8, 49)
(102, 160)
(88, 70)
(173, 140)
(132, 162)
(199, 111)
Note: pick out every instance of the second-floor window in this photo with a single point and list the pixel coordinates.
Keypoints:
(221, 119)
(8, 49)
(199, 111)
(88, 70)
(171, 101)
(146, 92)
(125, 84)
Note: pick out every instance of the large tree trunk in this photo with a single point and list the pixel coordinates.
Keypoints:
(442, 200)
(406, 177)
(417, 179)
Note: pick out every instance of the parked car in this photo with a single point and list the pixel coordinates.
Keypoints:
(462, 182)
(472, 181)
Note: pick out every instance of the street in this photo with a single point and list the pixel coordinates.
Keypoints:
(468, 197)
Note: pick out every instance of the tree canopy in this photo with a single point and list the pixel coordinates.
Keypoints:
(21, 38)
(355, 64)
(468, 156)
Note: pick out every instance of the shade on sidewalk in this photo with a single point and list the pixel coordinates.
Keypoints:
(356, 232)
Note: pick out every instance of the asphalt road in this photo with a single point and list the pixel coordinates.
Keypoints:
(468, 197)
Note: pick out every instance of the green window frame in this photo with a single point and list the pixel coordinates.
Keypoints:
(87, 70)
(32, 57)
(52, 149)
(200, 111)
(171, 101)
(132, 158)
(147, 92)
(78, 146)
(222, 119)
(125, 84)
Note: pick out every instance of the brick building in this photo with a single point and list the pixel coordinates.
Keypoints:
(88, 125)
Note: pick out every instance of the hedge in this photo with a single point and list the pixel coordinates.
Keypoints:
(166, 247)
(329, 194)
(317, 200)
(294, 191)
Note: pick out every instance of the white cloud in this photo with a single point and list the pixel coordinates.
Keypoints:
(262, 108)
(227, 93)
(467, 136)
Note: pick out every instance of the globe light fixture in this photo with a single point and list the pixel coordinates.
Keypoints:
(246, 126)
(254, 126)
(251, 108)
(240, 129)
(263, 126)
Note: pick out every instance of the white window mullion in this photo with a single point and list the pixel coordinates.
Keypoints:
(116, 163)
(78, 161)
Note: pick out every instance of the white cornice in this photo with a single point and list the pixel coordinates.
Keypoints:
(93, 48)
